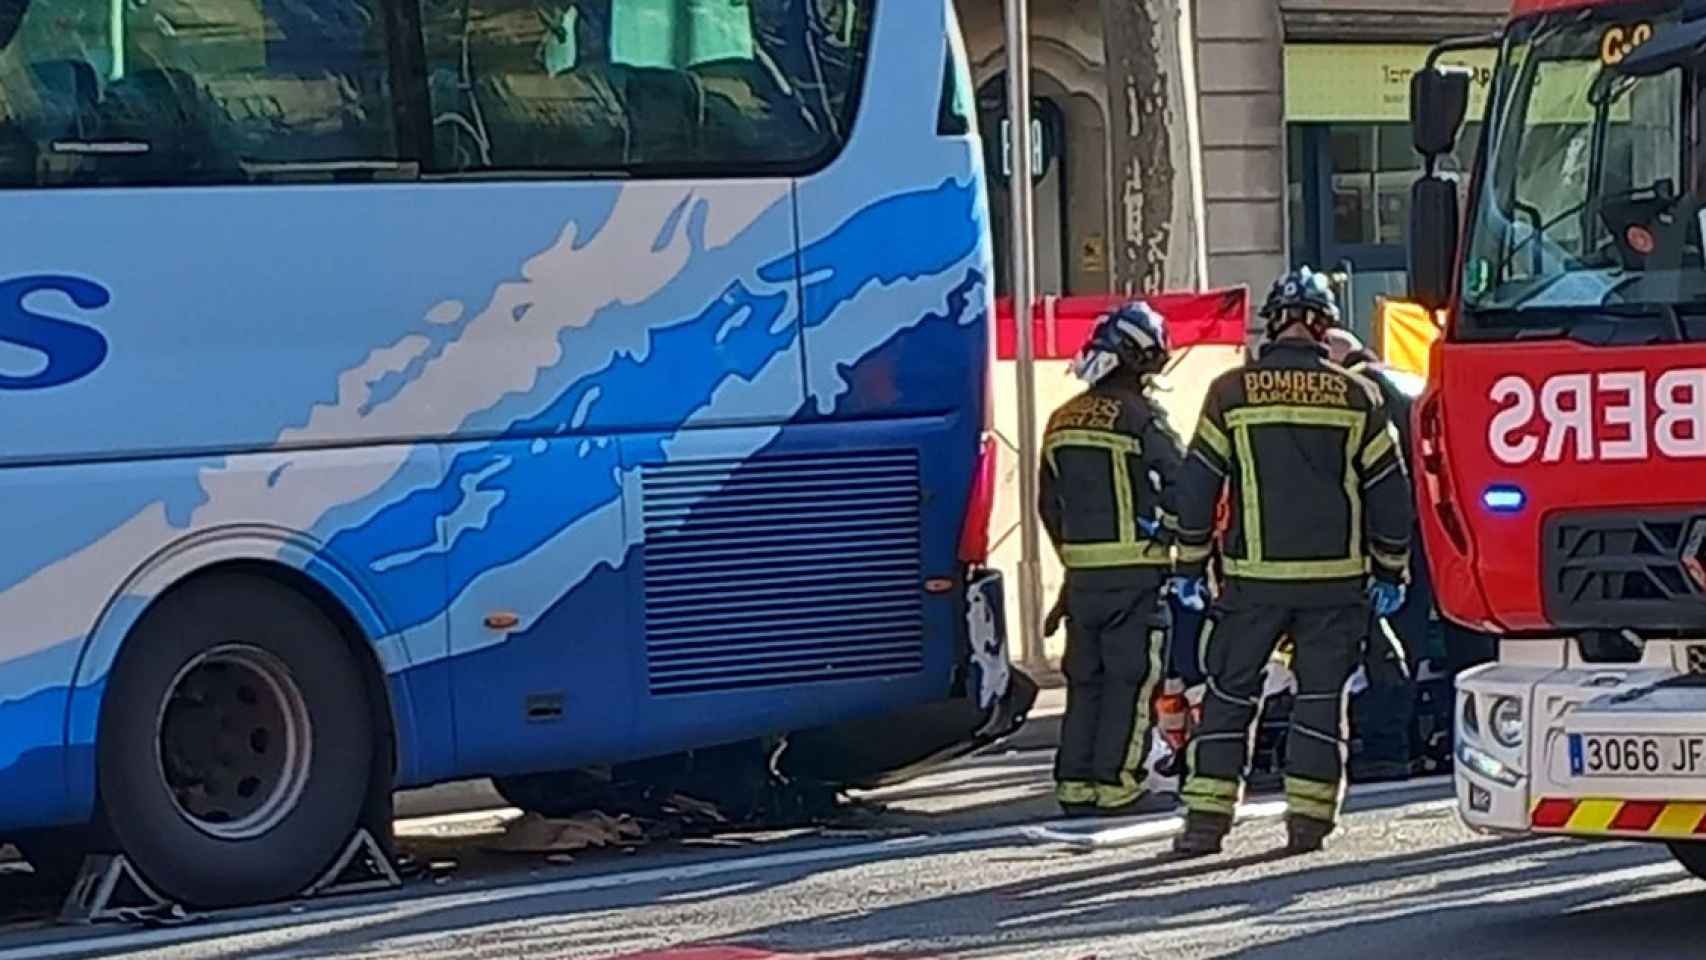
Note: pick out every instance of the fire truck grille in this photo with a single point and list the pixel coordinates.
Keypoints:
(1621, 569)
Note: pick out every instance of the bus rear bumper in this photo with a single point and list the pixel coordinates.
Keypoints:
(990, 705)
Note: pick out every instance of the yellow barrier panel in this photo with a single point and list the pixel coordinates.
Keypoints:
(1407, 332)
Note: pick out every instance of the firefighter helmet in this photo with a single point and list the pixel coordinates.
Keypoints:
(1301, 296)
(1133, 337)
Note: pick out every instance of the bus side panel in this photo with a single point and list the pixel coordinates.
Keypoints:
(88, 587)
(301, 318)
(557, 683)
(677, 312)
(895, 233)
(897, 275)
(249, 318)
(33, 758)
(56, 587)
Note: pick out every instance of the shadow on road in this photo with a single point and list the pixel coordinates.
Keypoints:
(1479, 898)
(1476, 898)
(1270, 900)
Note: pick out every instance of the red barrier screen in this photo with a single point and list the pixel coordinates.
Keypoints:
(1062, 324)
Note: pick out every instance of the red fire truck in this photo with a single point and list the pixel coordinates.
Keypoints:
(1561, 461)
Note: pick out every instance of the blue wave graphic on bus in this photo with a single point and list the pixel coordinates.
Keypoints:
(538, 490)
(904, 237)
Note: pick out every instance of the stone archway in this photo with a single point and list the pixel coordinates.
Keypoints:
(1074, 208)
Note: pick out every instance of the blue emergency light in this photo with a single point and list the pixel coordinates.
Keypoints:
(1504, 499)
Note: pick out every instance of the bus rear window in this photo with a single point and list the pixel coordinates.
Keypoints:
(957, 113)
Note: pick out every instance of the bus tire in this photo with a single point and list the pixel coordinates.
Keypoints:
(1692, 856)
(55, 856)
(236, 742)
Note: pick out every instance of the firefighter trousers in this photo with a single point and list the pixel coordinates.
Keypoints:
(1236, 644)
(1115, 641)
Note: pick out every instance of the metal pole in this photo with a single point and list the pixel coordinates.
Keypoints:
(1024, 302)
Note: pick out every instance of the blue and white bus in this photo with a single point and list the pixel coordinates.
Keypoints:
(400, 391)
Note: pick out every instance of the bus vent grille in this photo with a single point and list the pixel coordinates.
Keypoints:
(782, 571)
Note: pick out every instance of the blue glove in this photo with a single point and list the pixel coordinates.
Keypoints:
(1149, 527)
(1387, 598)
(1191, 591)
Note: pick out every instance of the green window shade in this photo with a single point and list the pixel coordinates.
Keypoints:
(680, 33)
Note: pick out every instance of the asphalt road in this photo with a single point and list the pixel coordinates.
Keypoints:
(959, 866)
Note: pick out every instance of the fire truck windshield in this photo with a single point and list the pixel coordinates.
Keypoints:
(1588, 211)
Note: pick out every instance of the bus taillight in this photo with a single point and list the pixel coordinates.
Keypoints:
(974, 535)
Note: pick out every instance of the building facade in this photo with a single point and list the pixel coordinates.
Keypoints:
(1301, 136)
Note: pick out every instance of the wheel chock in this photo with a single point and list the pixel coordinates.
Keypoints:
(107, 889)
(363, 867)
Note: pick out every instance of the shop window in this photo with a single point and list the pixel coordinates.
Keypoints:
(1297, 164)
(1351, 154)
(1349, 190)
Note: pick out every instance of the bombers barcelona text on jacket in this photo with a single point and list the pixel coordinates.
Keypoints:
(1109, 466)
(1318, 493)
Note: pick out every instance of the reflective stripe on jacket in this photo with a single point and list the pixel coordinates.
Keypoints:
(1309, 454)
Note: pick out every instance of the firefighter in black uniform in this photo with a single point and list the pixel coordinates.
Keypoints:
(1384, 716)
(1319, 532)
(1109, 462)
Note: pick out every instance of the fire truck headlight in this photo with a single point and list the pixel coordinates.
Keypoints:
(1471, 720)
(1506, 717)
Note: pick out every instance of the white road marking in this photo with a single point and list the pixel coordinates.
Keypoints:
(1149, 831)
(1555, 888)
(1082, 835)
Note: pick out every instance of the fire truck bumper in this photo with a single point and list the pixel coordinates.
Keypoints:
(1549, 743)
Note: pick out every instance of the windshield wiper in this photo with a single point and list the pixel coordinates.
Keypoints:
(1673, 319)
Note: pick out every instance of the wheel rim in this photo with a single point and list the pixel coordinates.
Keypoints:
(233, 741)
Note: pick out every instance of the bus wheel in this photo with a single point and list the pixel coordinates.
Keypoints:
(1692, 856)
(236, 742)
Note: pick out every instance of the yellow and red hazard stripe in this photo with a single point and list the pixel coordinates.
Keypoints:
(1632, 818)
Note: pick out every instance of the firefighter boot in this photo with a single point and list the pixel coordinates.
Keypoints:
(1203, 834)
(1076, 798)
(1305, 834)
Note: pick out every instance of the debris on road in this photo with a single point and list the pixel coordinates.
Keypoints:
(537, 834)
